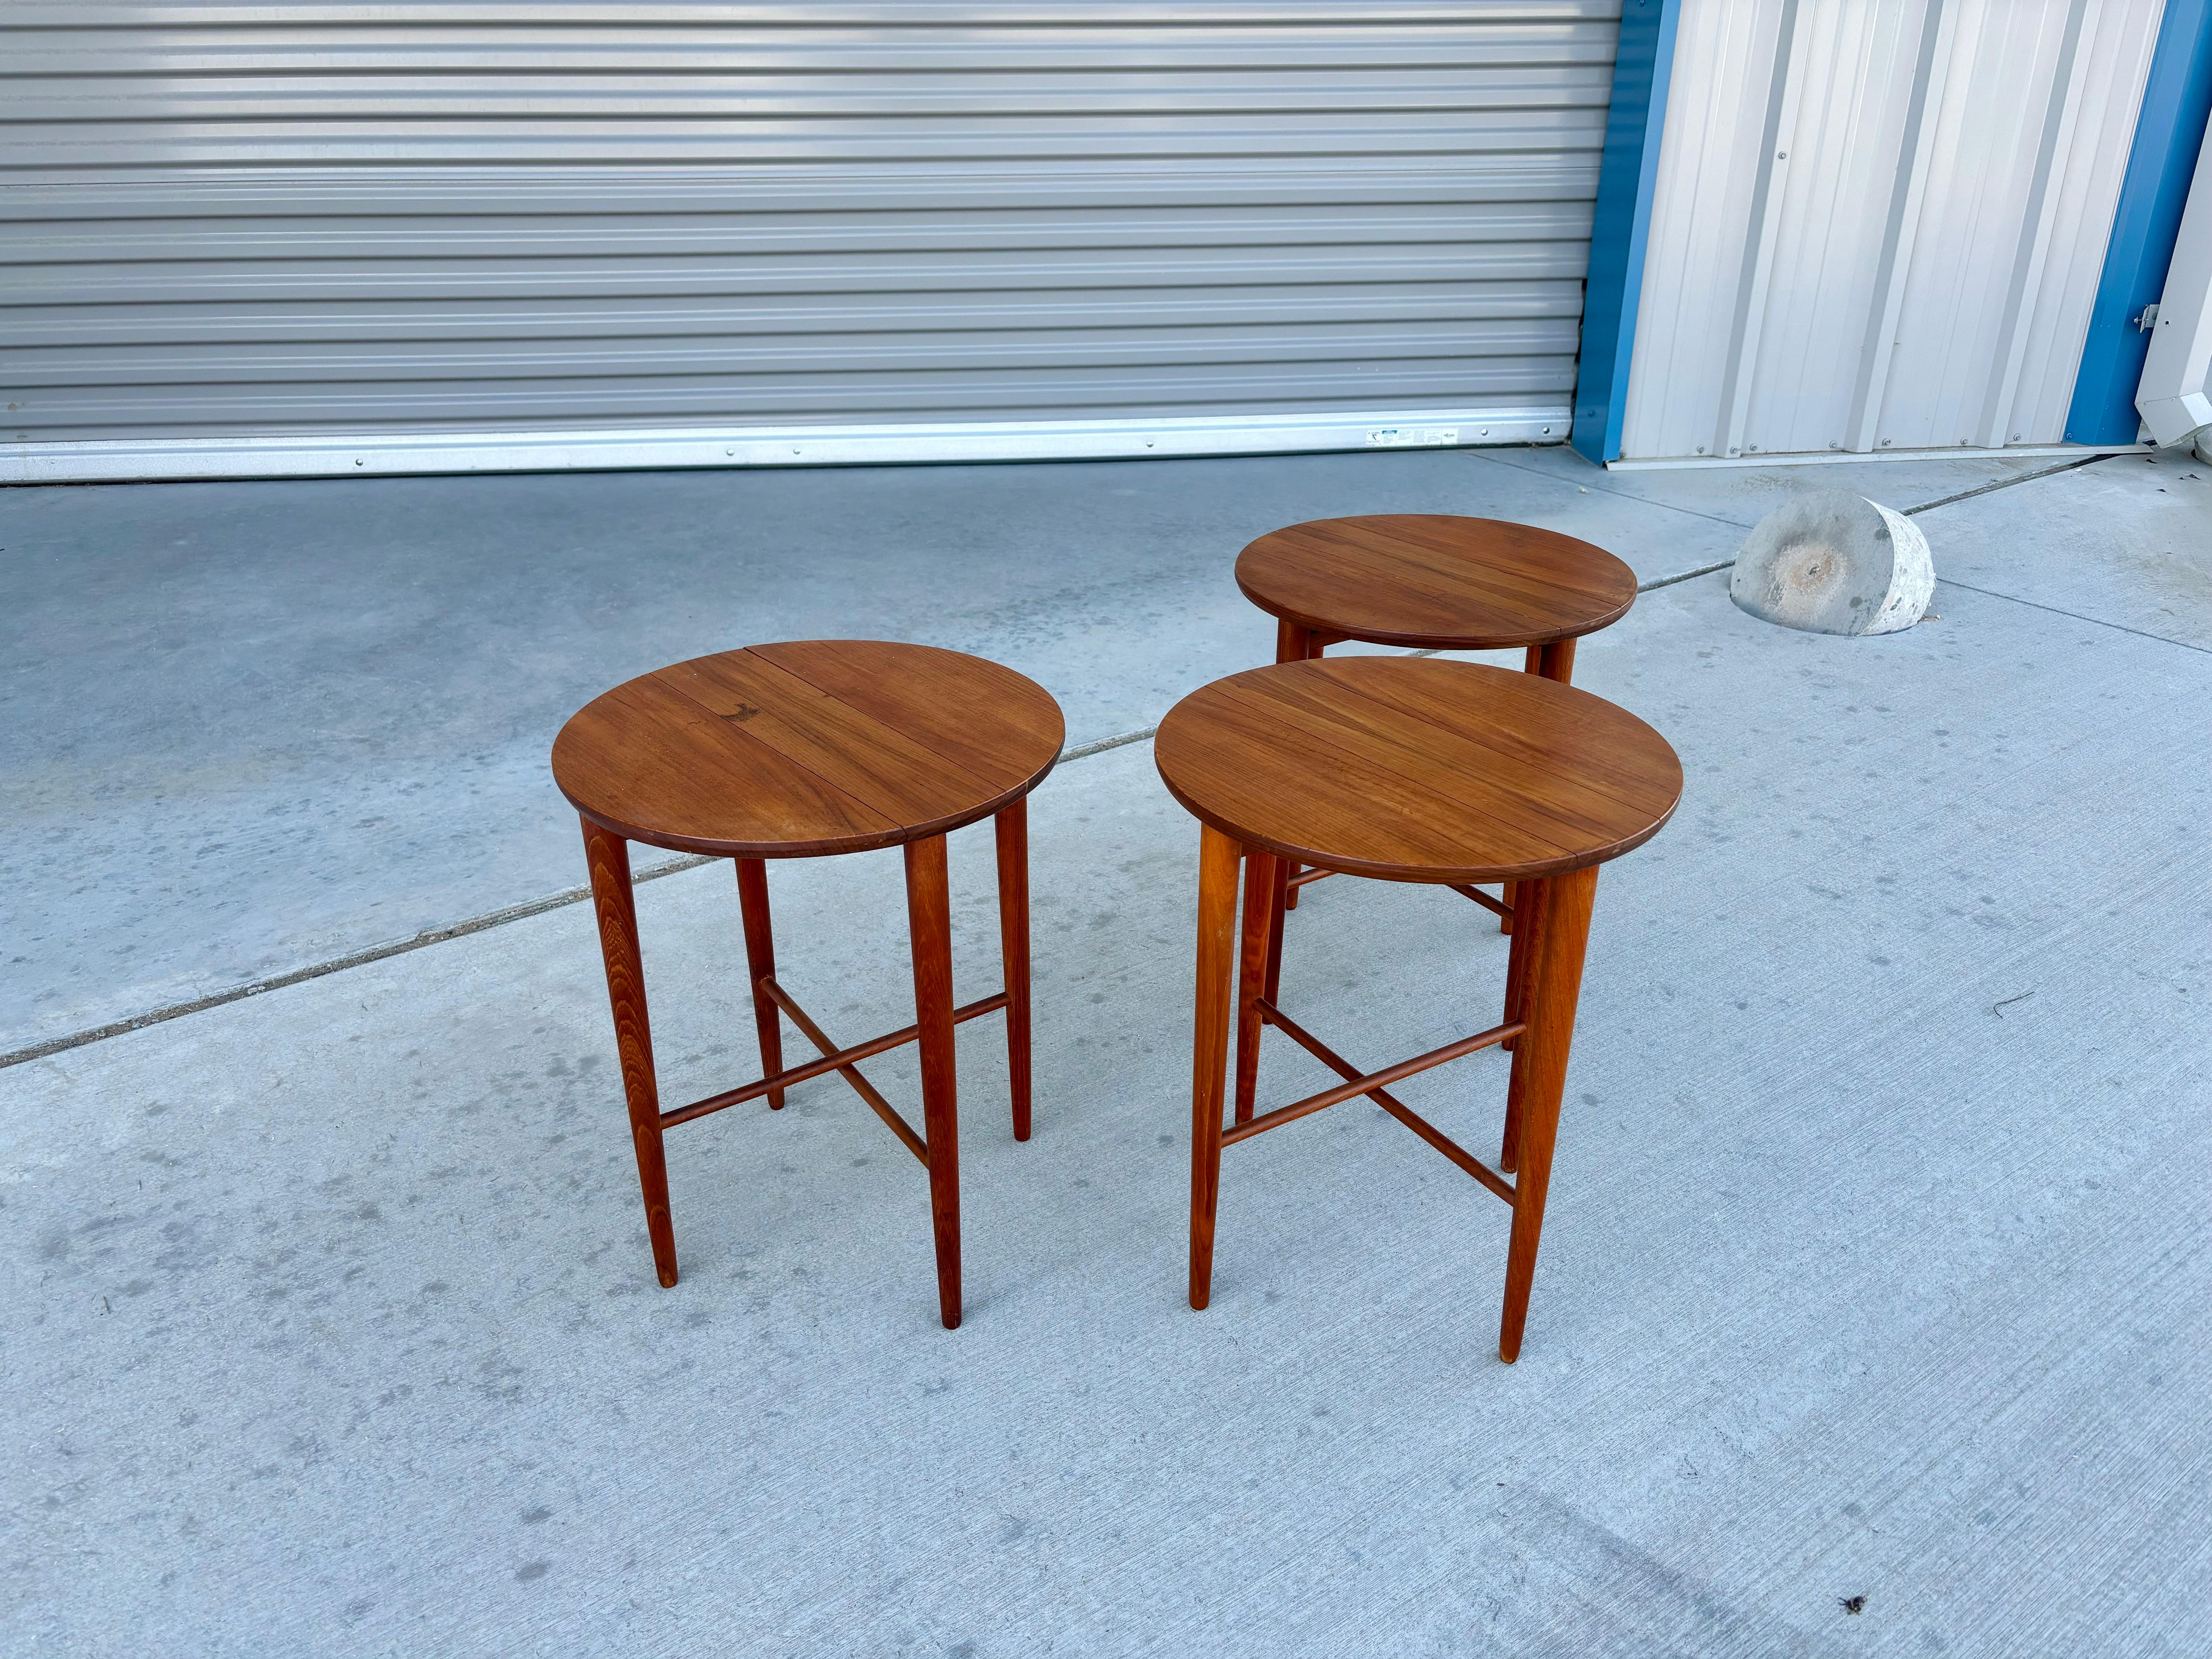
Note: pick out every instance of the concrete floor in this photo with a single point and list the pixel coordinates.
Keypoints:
(1877, 1257)
(257, 726)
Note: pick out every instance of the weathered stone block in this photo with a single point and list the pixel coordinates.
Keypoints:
(1831, 562)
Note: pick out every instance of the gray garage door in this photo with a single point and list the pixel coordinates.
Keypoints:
(441, 235)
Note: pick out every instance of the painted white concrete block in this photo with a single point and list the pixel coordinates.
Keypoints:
(1831, 562)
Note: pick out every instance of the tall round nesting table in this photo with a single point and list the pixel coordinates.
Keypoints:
(1432, 581)
(804, 749)
(1417, 770)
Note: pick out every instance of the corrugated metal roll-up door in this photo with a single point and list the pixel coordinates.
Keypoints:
(441, 235)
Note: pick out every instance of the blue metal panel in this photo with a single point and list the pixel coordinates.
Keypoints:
(2153, 192)
(1626, 180)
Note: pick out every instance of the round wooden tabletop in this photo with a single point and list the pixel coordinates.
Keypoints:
(1412, 769)
(807, 747)
(1427, 579)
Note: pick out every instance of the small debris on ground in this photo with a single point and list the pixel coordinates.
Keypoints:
(1998, 1008)
(1854, 1604)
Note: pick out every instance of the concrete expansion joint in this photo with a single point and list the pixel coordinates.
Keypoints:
(538, 907)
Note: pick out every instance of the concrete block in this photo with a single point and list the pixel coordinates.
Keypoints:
(1831, 562)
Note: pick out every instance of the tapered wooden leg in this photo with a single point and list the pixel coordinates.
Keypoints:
(1217, 927)
(929, 915)
(1292, 644)
(1518, 965)
(1556, 980)
(760, 965)
(1277, 887)
(1532, 662)
(614, 903)
(1252, 972)
(1553, 662)
(1526, 897)
(1012, 826)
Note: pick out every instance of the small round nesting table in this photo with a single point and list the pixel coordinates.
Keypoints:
(807, 749)
(1417, 770)
(1432, 581)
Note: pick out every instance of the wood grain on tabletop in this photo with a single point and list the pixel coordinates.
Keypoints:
(1435, 580)
(807, 747)
(1416, 770)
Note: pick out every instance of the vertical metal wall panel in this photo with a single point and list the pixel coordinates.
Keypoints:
(1856, 66)
(2118, 57)
(2162, 160)
(2175, 393)
(2003, 102)
(1708, 180)
(1886, 226)
(480, 216)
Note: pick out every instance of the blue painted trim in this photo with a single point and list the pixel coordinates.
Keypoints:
(1622, 228)
(2153, 192)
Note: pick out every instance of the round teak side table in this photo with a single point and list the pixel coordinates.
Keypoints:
(1434, 582)
(1405, 769)
(804, 749)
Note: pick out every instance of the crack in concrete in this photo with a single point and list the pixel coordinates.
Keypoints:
(2072, 615)
(2067, 465)
(1687, 576)
(2007, 483)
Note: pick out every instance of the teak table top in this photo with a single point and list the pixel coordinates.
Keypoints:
(1427, 579)
(1413, 770)
(807, 747)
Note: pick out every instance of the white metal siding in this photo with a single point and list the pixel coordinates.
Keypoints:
(1879, 224)
(294, 225)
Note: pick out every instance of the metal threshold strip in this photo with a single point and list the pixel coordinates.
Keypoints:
(613, 449)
